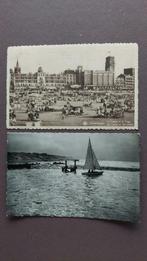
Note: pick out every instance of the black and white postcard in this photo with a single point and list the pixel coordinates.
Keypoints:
(89, 175)
(75, 86)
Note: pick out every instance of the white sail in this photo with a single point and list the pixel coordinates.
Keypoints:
(91, 160)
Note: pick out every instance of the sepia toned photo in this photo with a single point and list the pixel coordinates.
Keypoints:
(79, 86)
(89, 175)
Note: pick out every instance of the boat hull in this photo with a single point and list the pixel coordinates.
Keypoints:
(93, 173)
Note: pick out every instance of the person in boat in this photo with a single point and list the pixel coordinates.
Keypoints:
(65, 168)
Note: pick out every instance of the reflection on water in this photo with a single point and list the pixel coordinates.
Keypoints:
(49, 192)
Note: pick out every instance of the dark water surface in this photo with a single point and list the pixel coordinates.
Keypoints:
(49, 192)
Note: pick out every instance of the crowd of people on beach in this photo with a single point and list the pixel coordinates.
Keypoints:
(103, 105)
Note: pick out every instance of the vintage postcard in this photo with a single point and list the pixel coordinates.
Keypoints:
(75, 86)
(89, 175)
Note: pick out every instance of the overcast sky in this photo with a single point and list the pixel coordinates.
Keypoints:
(57, 58)
(123, 147)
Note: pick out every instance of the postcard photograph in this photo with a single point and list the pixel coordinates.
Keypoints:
(79, 86)
(87, 175)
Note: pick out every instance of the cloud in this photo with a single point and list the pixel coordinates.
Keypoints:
(106, 146)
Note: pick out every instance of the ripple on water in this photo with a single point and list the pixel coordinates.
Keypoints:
(114, 195)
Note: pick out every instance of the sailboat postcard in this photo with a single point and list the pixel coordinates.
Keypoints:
(73, 86)
(87, 175)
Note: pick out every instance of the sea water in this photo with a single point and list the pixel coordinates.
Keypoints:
(49, 192)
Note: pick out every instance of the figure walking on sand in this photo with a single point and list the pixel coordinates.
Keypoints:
(63, 113)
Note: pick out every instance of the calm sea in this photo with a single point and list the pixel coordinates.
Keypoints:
(49, 192)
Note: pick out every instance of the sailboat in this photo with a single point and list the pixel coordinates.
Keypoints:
(91, 163)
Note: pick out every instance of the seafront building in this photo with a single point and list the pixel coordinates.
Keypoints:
(102, 79)
(99, 79)
(126, 81)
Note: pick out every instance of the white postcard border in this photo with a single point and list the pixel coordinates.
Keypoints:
(136, 100)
